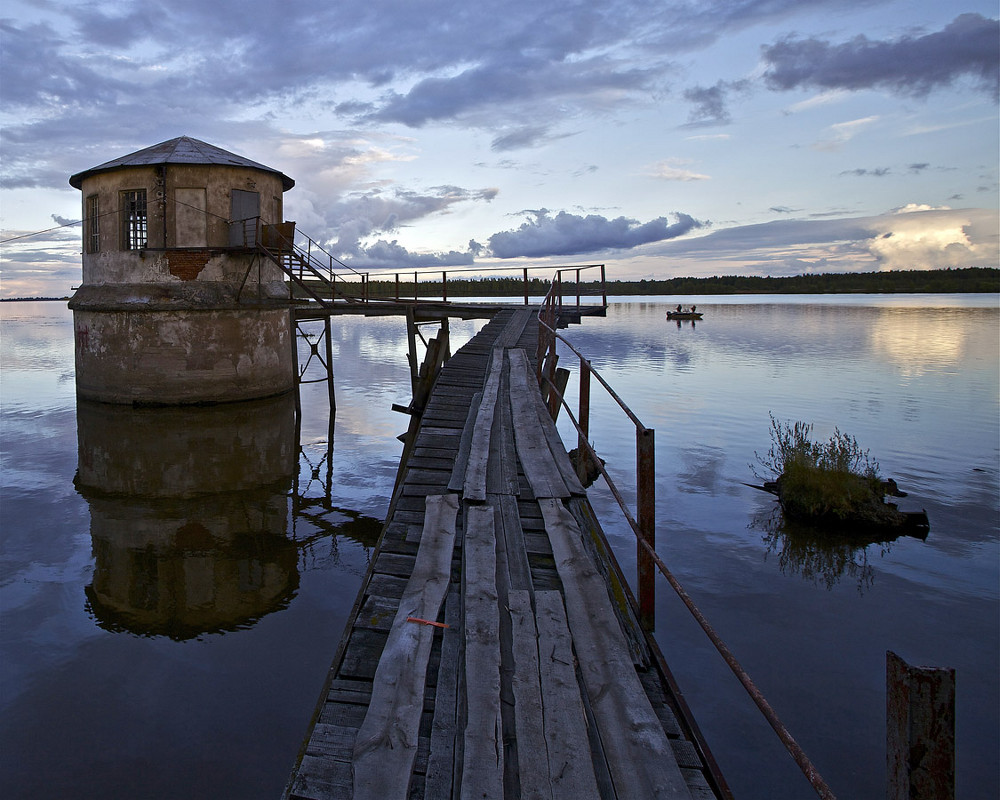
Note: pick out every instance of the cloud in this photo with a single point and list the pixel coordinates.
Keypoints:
(512, 79)
(913, 237)
(673, 170)
(393, 255)
(571, 234)
(710, 103)
(348, 222)
(969, 46)
(841, 133)
(918, 235)
(878, 172)
(526, 136)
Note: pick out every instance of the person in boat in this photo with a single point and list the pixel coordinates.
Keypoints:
(678, 308)
(693, 308)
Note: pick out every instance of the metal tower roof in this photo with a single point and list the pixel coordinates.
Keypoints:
(182, 150)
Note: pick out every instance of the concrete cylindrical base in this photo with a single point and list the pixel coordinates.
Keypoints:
(181, 349)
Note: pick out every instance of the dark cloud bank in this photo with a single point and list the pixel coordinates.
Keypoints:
(569, 234)
(967, 47)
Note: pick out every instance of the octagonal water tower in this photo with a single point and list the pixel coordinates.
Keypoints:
(177, 304)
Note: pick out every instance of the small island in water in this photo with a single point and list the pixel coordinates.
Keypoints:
(832, 484)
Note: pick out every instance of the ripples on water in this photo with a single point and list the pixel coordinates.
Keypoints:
(167, 643)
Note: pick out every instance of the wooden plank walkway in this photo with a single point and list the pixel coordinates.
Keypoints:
(492, 651)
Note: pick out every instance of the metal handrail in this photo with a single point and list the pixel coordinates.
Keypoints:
(646, 542)
(443, 276)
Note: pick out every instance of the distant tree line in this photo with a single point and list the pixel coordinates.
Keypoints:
(916, 281)
(963, 280)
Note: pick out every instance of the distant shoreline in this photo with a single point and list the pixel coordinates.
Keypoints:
(968, 280)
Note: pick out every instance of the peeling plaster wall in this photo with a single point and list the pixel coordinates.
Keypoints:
(183, 356)
(172, 225)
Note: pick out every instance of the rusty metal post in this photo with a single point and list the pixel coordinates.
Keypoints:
(646, 500)
(415, 285)
(329, 367)
(604, 288)
(444, 286)
(526, 286)
(583, 414)
(577, 288)
(920, 731)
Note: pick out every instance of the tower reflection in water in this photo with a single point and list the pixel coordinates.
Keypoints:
(189, 514)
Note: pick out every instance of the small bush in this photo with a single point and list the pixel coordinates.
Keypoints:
(833, 481)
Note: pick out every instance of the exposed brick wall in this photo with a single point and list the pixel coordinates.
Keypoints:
(186, 264)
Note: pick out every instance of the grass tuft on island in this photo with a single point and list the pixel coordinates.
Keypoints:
(834, 483)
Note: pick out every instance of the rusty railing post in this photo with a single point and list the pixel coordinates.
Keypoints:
(526, 286)
(646, 500)
(604, 288)
(583, 414)
(578, 287)
(920, 731)
(444, 286)
(397, 287)
(331, 391)
(415, 297)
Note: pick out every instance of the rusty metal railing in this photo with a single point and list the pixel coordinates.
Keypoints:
(643, 524)
(439, 278)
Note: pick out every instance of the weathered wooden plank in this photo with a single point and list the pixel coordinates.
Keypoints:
(362, 653)
(346, 715)
(474, 486)
(394, 564)
(386, 585)
(482, 763)
(527, 389)
(532, 446)
(533, 767)
(513, 326)
(501, 472)
(518, 571)
(570, 765)
(604, 558)
(377, 613)
(435, 478)
(321, 778)
(640, 758)
(332, 741)
(461, 461)
(386, 745)
(440, 778)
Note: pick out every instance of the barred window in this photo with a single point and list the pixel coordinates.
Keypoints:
(93, 217)
(134, 220)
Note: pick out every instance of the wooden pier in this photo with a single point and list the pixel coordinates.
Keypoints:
(493, 651)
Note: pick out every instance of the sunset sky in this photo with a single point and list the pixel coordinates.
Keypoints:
(661, 137)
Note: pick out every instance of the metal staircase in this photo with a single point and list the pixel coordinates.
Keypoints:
(310, 268)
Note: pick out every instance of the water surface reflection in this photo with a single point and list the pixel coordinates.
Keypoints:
(189, 514)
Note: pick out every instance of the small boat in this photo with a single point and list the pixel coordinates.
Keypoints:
(683, 315)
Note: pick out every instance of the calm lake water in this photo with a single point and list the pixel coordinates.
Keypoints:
(174, 584)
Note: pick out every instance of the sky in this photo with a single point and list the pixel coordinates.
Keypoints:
(663, 138)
